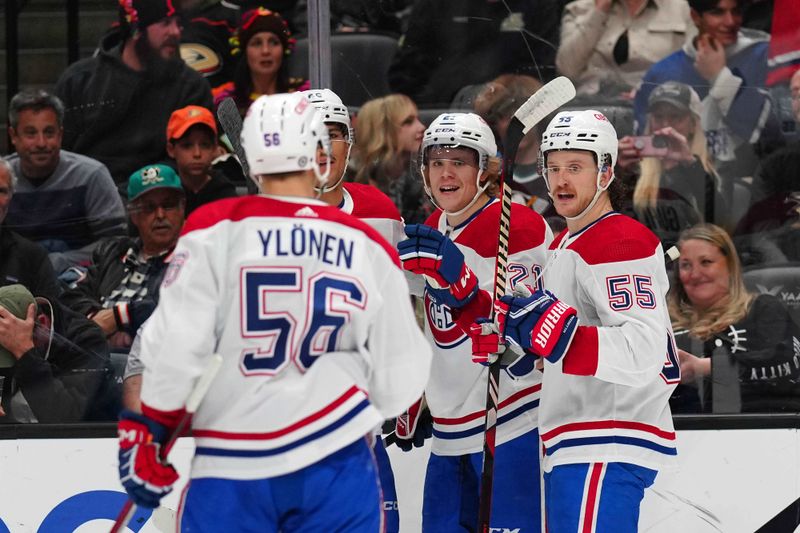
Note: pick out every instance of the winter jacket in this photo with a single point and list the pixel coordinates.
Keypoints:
(25, 262)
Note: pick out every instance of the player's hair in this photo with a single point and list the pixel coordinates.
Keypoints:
(12, 176)
(35, 100)
(701, 6)
(377, 148)
(501, 97)
(645, 194)
(730, 309)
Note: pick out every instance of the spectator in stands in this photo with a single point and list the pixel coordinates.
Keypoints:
(768, 232)
(205, 38)
(449, 45)
(55, 361)
(388, 137)
(119, 101)
(64, 201)
(264, 43)
(678, 186)
(22, 261)
(712, 311)
(726, 64)
(120, 289)
(496, 103)
(192, 143)
(608, 45)
(358, 15)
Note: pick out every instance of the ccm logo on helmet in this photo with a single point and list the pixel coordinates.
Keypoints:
(301, 106)
(560, 134)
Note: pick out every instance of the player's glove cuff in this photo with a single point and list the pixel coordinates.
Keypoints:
(414, 426)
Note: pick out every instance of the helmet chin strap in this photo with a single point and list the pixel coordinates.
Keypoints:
(599, 190)
(327, 188)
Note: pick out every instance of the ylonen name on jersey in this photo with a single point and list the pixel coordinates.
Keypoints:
(303, 241)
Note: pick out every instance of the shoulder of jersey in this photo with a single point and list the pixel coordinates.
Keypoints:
(527, 230)
(613, 239)
(371, 202)
(236, 209)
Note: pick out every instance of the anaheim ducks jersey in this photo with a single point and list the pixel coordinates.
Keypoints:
(456, 392)
(607, 400)
(308, 307)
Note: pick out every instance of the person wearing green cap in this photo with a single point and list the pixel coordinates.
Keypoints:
(54, 363)
(120, 289)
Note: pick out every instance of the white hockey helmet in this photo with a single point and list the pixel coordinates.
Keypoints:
(459, 130)
(587, 130)
(281, 133)
(333, 110)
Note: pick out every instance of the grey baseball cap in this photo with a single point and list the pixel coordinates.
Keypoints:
(676, 94)
(15, 298)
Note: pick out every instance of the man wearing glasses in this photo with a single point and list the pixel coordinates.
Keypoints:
(120, 289)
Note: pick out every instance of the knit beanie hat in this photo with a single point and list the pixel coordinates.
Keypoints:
(259, 20)
(142, 13)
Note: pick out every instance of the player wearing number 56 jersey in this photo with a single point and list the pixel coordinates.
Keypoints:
(309, 309)
(604, 331)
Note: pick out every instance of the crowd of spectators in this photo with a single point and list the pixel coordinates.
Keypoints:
(107, 165)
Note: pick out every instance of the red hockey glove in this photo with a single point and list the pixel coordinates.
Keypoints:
(414, 426)
(146, 476)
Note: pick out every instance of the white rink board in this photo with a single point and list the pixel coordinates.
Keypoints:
(729, 481)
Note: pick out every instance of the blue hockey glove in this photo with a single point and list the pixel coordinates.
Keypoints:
(448, 279)
(146, 476)
(539, 323)
(414, 426)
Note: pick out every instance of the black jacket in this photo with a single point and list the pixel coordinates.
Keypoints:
(111, 262)
(218, 188)
(65, 387)
(119, 116)
(25, 262)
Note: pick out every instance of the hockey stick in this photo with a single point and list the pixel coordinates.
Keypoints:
(192, 403)
(231, 122)
(543, 103)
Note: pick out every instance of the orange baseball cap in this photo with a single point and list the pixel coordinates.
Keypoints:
(184, 118)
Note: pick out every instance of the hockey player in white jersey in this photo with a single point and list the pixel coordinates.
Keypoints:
(308, 307)
(372, 206)
(604, 331)
(455, 250)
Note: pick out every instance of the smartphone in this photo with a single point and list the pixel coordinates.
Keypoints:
(651, 145)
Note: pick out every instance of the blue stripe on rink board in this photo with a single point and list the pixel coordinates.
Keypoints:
(222, 452)
(612, 439)
(449, 435)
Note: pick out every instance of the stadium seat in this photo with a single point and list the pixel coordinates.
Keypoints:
(781, 280)
(359, 63)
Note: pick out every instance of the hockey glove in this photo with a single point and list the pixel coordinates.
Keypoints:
(146, 476)
(488, 346)
(539, 323)
(414, 426)
(448, 279)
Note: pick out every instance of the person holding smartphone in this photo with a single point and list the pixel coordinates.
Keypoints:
(677, 186)
(726, 65)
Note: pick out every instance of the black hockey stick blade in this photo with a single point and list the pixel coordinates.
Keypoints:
(231, 122)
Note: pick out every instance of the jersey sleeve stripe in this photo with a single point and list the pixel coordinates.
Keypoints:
(480, 427)
(611, 439)
(481, 414)
(608, 424)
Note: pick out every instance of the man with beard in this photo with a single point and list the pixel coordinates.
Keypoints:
(118, 102)
(120, 289)
(65, 202)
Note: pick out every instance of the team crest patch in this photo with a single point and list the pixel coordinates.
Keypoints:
(176, 263)
(151, 176)
(446, 334)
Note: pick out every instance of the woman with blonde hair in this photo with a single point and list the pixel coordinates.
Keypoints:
(678, 186)
(388, 137)
(712, 310)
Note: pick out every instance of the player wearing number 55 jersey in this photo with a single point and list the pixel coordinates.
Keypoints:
(309, 309)
(604, 331)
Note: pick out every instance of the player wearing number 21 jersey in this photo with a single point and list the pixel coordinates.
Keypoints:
(309, 308)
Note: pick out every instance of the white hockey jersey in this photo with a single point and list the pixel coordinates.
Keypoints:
(309, 308)
(369, 204)
(456, 392)
(607, 399)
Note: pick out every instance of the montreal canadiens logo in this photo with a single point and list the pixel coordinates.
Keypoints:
(446, 334)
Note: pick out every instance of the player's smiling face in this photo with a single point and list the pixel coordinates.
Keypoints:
(338, 158)
(572, 175)
(452, 173)
(704, 274)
